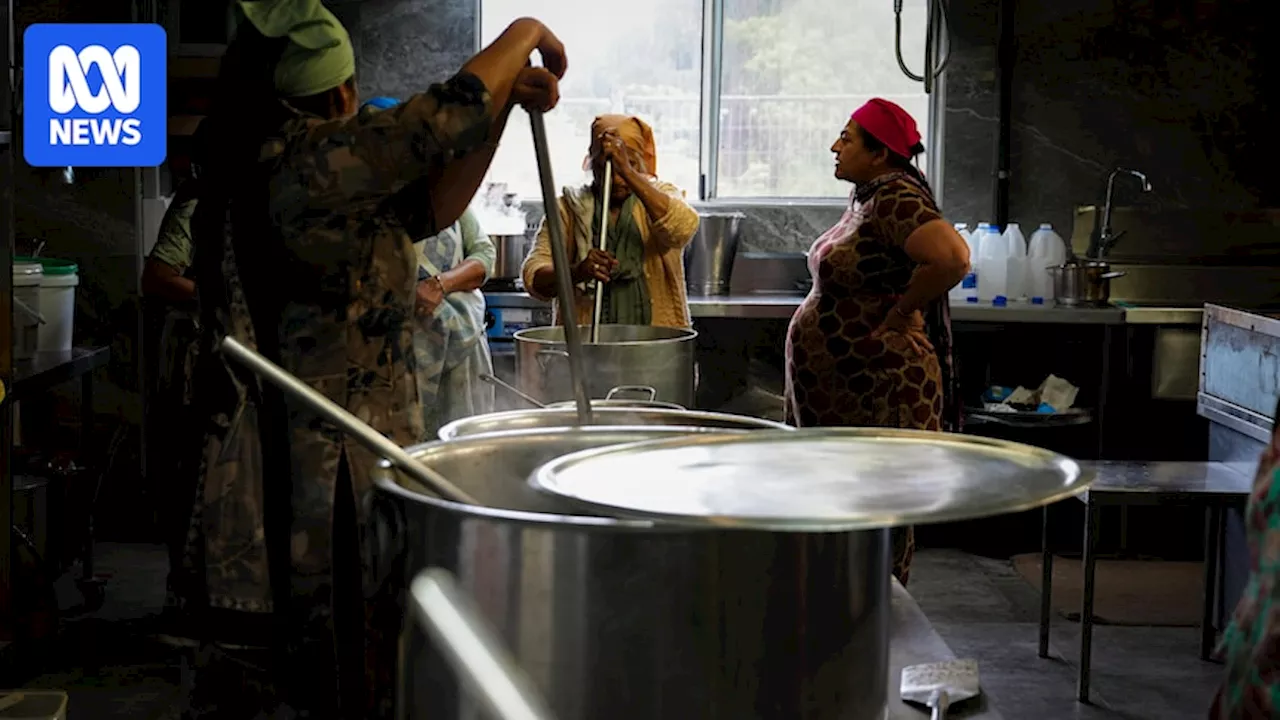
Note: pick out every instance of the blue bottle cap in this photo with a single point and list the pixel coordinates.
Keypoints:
(1000, 301)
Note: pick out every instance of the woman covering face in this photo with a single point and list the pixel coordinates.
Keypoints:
(642, 267)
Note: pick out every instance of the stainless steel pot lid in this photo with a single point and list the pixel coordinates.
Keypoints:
(821, 479)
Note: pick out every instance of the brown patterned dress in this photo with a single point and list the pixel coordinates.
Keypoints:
(837, 373)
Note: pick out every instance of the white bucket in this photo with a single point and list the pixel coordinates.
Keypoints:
(27, 314)
(58, 304)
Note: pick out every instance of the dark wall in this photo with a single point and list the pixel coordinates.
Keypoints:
(93, 221)
(402, 46)
(1183, 91)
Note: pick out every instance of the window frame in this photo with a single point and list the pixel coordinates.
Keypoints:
(710, 91)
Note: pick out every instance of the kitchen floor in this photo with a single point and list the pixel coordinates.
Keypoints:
(980, 606)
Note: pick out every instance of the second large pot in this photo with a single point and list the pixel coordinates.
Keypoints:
(630, 620)
(658, 357)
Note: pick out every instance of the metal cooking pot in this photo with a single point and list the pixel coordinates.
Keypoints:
(658, 357)
(510, 251)
(567, 417)
(1084, 282)
(628, 619)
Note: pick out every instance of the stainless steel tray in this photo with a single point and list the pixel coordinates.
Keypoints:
(821, 479)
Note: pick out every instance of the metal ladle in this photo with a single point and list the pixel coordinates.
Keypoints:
(493, 380)
(375, 441)
(560, 262)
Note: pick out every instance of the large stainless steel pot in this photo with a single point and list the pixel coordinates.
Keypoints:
(658, 357)
(630, 619)
(1083, 282)
(510, 251)
(566, 417)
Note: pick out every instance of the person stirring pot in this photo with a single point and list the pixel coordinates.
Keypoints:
(871, 344)
(306, 188)
(649, 226)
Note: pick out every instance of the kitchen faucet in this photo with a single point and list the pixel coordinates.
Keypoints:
(1107, 238)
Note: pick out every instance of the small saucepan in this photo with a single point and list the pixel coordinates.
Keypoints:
(1083, 282)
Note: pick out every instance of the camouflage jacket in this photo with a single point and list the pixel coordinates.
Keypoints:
(347, 198)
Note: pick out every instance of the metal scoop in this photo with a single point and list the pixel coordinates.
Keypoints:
(938, 685)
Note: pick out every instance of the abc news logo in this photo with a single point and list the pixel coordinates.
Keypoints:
(121, 73)
(95, 95)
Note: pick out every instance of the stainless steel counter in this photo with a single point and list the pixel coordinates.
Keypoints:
(781, 306)
(764, 306)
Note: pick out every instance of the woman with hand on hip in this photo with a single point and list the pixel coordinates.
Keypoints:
(871, 344)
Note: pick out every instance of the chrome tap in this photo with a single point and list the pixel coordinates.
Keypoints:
(1107, 238)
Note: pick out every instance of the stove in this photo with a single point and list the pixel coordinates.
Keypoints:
(508, 310)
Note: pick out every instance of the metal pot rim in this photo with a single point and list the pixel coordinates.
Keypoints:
(693, 416)
(1081, 265)
(688, 334)
(384, 478)
(622, 404)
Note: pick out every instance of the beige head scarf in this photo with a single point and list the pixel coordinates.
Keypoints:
(634, 133)
(319, 56)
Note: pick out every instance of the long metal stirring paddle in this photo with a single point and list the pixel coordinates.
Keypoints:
(348, 423)
(560, 261)
(604, 247)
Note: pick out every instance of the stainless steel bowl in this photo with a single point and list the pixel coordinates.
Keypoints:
(1083, 283)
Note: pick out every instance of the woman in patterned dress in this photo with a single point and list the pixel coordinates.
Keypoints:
(871, 344)
(1251, 643)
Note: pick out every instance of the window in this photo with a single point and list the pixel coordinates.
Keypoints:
(781, 75)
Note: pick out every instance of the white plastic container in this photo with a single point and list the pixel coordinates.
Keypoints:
(993, 269)
(977, 236)
(1047, 250)
(58, 304)
(1016, 248)
(27, 315)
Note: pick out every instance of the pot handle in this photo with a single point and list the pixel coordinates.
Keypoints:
(473, 648)
(653, 393)
(1112, 275)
